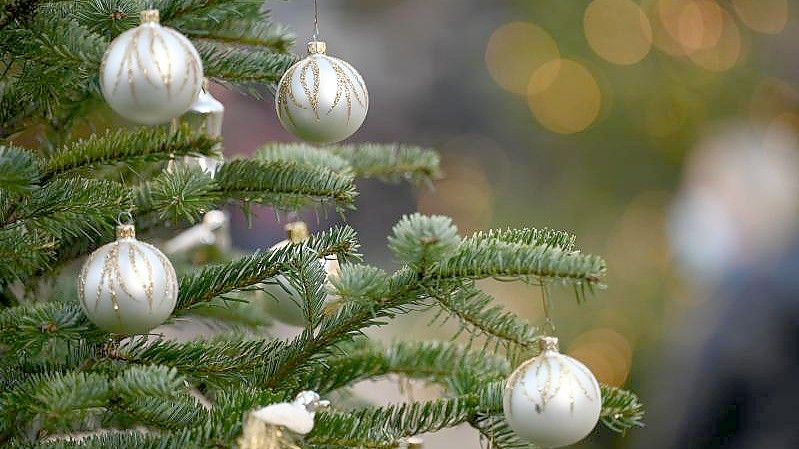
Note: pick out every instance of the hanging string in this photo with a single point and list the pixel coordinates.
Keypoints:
(549, 325)
(315, 21)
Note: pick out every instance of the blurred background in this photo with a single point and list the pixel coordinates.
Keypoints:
(661, 132)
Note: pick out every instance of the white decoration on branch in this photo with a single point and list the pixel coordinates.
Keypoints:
(151, 74)
(127, 286)
(296, 416)
(206, 116)
(552, 400)
(213, 230)
(321, 99)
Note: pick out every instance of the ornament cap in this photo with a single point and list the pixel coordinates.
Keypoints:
(150, 16)
(126, 231)
(548, 344)
(317, 47)
(297, 231)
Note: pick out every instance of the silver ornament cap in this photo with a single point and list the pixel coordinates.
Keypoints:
(127, 286)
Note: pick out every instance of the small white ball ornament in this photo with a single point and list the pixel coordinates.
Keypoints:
(321, 99)
(151, 74)
(127, 286)
(552, 400)
(283, 299)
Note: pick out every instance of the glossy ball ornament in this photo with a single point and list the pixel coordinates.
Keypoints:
(282, 298)
(321, 99)
(127, 286)
(552, 400)
(151, 74)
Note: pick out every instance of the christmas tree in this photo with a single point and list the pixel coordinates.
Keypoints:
(70, 377)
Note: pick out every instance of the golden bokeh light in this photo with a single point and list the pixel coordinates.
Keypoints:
(606, 352)
(669, 14)
(662, 20)
(618, 31)
(764, 16)
(699, 25)
(564, 96)
(726, 52)
(514, 52)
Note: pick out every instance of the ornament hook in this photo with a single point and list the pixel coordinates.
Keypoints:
(549, 325)
(125, 218)
(315, 20)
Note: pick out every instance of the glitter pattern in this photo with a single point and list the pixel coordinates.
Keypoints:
(150, 74)
(135, 279)
(322, 98)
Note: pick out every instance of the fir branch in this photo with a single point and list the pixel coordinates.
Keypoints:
(339, 241)
(126, 146)
(307, 277)
(64, 400)
(621, 409)
(54, 63)
(420, 240)
(60, 397)
(344, 323)
(184, 193)
(241, 66)
(479, 314)
(215, 10)
(495, 430)
(19, 171)
(360, 283)
(107, 18)
(241, 32)
(68, 208)
(303, 154)
(527, 236)
(382, 427)
(283, 184)
(217, 280)
(220, 363)
(45, 329)
(477, 259)
(165, 414)
(156, 396)
(391, 161)
(55, 218)
(433, 361)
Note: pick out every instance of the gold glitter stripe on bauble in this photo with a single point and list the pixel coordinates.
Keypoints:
(170, 278)
(344, 84)
(550, 388)
(312, 94)
(149, 285)
(286, 93)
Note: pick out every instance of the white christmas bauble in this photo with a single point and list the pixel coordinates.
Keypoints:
(127, 286)
(283, 299)
(321, 99)
(552, 400)
(151, 74)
